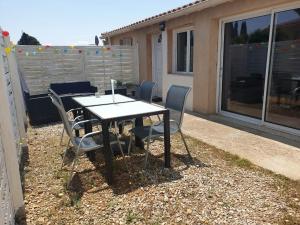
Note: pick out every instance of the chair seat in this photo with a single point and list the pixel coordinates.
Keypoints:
(87, 143)
(158, 130)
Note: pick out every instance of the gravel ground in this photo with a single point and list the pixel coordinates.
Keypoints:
(217, 188)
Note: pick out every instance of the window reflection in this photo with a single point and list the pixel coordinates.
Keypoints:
(181, 51)
(191, 51)
(283, 106)
(244, 65)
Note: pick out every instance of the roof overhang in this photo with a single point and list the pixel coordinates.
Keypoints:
(181, 11)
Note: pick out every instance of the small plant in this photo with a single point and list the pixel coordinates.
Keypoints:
(238, 161)
(131, 216)
(112, 204)
(75, 199)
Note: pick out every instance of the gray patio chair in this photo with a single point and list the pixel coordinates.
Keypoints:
(145, 91)
(175, 102)
(72, 121)
(81, 144)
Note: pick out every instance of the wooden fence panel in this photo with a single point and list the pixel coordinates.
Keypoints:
(41, 66)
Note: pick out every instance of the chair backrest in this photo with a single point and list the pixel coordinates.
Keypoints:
(57, 102)
(56, 96)
(145, 91)
(175, 102)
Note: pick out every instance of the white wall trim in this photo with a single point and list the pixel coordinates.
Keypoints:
(187, 29)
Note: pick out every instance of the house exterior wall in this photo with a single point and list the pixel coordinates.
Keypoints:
(204, 81)
(142, 38)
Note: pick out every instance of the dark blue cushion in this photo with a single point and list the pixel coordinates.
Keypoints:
(121, 91)
(73, 87)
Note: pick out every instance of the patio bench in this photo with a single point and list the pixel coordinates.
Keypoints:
(40, 109)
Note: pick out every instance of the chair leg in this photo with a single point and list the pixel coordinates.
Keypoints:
(72, 169)
(121, 149)
(159, 119)
(62, 135)
(120, 146)
(65, 153)
(130, 143)
(185, 144)
(147, 152)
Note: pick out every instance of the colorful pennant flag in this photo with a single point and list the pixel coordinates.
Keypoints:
(5, 33)
(7, 50)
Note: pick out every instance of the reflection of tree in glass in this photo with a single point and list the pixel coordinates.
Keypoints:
(259, 36)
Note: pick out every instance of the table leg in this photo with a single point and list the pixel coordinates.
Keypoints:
(121, 128)
(87, 126)
(88, 129)
(167, 144)
(139, 123)
(75, 114)
(107, 152)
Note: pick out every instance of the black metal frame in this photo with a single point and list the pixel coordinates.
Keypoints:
(106, 143)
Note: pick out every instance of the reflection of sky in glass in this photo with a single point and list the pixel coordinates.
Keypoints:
(258, 23)
(263, 22)
(287, 16)
(254, 24)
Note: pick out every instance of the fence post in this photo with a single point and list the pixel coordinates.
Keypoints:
(18, 95)
(8, 129)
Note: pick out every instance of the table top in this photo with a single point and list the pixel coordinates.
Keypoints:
(125, 110)
(86, 101)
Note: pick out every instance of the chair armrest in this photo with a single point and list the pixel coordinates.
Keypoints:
(83, 122)
(77, 118)
(71, 110)
(71, 114)
(88, 135)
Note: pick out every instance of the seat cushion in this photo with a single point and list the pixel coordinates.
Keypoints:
(72, 87)
(160, 128)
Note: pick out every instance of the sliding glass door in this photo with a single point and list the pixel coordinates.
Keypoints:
(244, 65)
(261, 68)
(283, 102)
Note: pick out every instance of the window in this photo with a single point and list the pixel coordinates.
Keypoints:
(126, 41)
(184, 50)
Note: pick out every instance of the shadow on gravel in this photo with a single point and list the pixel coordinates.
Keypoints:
(126, 181)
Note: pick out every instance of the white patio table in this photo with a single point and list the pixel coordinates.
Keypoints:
(92, 100)
(122, 108)
(123, 111)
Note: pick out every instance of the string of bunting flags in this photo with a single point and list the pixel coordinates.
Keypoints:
(12, 48)
(65, 50)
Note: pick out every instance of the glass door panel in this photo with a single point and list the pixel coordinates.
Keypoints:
(283, 102)
(244, 65)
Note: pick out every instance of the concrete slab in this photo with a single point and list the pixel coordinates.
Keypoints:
(274, 152)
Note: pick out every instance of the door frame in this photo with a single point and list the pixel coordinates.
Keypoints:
(256, 13)
(153, 36)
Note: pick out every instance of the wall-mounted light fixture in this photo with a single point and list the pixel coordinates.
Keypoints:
(162, 26)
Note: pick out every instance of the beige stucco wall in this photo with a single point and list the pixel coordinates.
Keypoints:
(206, 38)
(141, 38)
